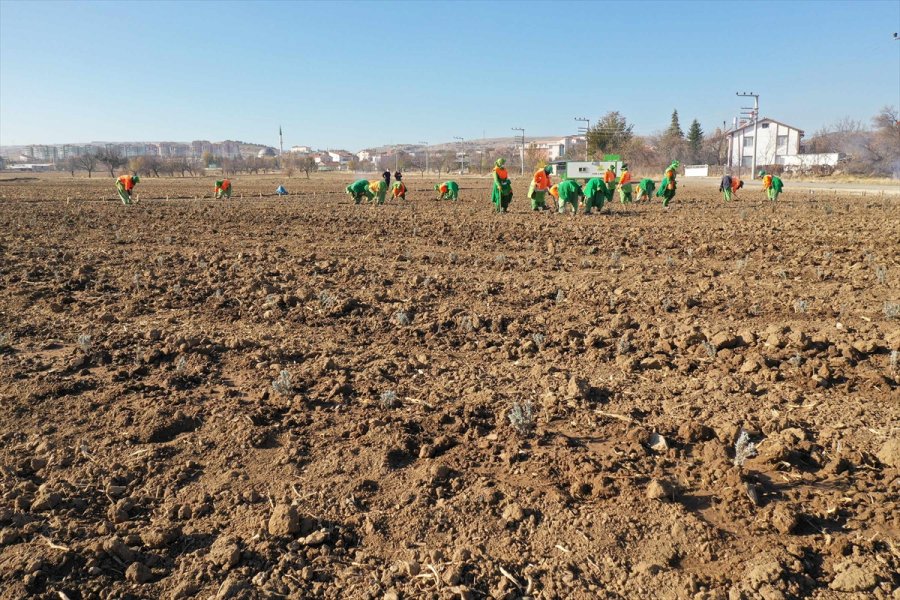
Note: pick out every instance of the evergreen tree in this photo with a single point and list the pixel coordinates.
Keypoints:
(610, 135)
(674, 130)
(695, 140)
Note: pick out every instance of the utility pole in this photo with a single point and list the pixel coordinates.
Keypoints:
(755, 116)
(280, 147)
(586, 130)
(522, 151)
(426, 155)
(463, 159)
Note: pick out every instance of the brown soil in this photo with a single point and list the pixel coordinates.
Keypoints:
(305, 398)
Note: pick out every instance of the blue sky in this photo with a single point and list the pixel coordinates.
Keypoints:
(355, 74)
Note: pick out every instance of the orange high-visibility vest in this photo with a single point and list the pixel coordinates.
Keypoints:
(625, 178)
(127, 181)
(501, 172)
(541, 180)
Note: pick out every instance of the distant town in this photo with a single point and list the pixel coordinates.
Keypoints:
(48, 157)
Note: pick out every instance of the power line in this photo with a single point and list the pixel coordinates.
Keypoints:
(523, 147)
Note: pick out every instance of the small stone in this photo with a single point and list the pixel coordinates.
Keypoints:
(578, 388)
(115, 546)
(784, 519)
(659, 489)
(316, 538)
(8, 536)
(159, 538)
(225, 552)
(513, 513)
(889, 454)
(391, 594)
(658, 443)
(285, 520)
(138, 573)
(45, 500)
(854, 579)
(440, 472)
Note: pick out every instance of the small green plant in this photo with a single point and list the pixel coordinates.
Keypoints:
(740, 264)
(402, 318)
(180, 364)
(623, 346)
(796, 360)
(801, 306)
(5, 340)
(743, 449)
(326, 299)
(892, 310)
(282, 384)
(84, 343)
(895, 357)
(881, 274)
(615, 259)
(538, 339)
(389, 399)
(670, 262)
(521, 418)
(709, 348)
(560, 295)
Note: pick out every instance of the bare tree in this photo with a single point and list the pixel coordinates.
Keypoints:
(87, 162)
(152, 164)
(111, 159)
(308, 163)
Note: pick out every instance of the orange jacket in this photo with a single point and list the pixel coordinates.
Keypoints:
(443, 189)
(625, 178)
(554, 191)
(541, 180)
(767, 182)
(609, 176)
(735, 184)
(501, 172)
(127, 181)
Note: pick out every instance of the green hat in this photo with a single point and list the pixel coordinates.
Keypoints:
(437, 187)
(675, 164)
(624, 167)
(136, 179)
(500, 162)
(548, 169)
(762, 173)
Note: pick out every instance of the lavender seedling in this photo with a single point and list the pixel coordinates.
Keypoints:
(743, 449)
(892, 310)
(389, 399)
(326, 300)
(84, 343)
(881, 274)
(801, 306)
(521, 418)
(710, 349)
(282, 384)
(402, 318)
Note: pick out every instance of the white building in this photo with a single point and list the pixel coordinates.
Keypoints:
(774, 142)
(300, 149)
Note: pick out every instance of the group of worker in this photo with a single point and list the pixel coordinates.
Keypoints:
(595, 193)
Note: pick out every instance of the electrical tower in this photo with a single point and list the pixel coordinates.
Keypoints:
(754, 116)
(522, 150)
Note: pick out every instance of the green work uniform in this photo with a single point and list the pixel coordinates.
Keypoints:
(775, 188)
(379, 189)
(569, 193)
(594, 194)
(501, 192)
(645, 189)
(359, 189)
(452, 192)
